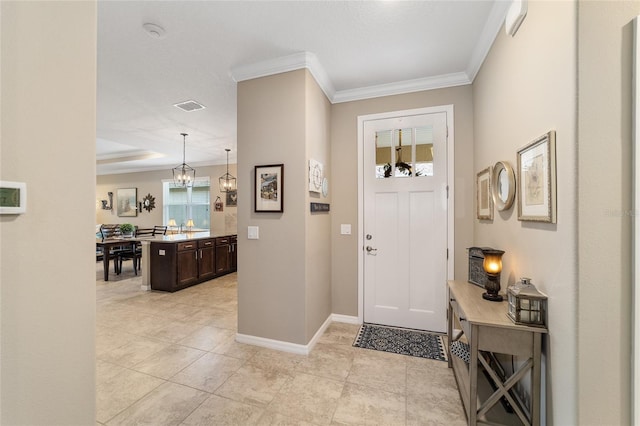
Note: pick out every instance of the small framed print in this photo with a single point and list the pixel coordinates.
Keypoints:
(316, 174)
(128, 202)
(232, 198)
(537, 180)
(269, 188)
(484, 198)
(217, 205)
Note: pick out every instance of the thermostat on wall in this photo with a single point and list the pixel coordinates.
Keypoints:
(13, 197)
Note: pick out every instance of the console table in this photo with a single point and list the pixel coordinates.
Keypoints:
(489, 331)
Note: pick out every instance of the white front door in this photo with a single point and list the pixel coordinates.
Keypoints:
(405, 221)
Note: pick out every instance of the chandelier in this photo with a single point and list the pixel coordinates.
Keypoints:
(184, 175)
(227, 181)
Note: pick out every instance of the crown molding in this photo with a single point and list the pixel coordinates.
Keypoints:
(400, 87)
(119, 158)
(283, 64)
(103, 169)
(487, 37)
(310, 61)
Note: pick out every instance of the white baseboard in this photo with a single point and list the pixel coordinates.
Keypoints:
(319, 333)
(348, 319)
(278, 345)
(295, 348)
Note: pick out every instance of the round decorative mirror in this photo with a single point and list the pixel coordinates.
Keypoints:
(503, 183)
(148, 202)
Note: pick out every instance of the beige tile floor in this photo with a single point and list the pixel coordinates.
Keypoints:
(171, 359)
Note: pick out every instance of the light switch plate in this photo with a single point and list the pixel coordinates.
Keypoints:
(253, 233)
(345, 229)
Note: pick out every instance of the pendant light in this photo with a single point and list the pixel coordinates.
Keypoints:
(227, 182)
(184, 175)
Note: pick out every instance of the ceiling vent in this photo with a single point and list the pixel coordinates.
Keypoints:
(189, 106)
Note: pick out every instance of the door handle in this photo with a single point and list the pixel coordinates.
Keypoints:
(371, 250)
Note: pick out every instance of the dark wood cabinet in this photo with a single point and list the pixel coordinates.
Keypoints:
(177, 265)
(226, 254)
(206, 261)
(234, 254)
(187, 263)
(223, 250)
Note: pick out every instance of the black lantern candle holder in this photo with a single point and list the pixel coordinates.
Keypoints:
(492, 265)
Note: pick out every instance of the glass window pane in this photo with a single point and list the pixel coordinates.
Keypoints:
(424, 151)
(383, 154)
(200, 195)
(201, 216)
(404, 152)
(179, 213)
(177, 195)
(182, 204)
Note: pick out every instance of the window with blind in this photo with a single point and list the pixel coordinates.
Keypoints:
(182, 204)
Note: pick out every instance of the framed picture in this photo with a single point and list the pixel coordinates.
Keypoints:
(316, 174)
(232, 198)
(269, 191)
(127, 202)
(484, 197)
(217, 205)
(537, 180)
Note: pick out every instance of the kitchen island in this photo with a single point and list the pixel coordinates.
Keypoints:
(179, 261)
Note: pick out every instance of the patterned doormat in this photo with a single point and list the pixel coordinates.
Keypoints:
(402, 341)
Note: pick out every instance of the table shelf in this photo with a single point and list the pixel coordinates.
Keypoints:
(487, 329)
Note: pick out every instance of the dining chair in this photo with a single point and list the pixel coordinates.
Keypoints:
(144, 232)
(160, 230)
(108, 231)
(134, 251)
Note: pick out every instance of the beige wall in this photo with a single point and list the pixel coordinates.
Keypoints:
(604, 252)
(318, 227)
(284, 288)
(271, 270)
(222, 223)
(344, 171)
(47, 270)
(527, 87)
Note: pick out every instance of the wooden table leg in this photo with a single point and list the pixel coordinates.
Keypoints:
(105, 262)
(449, 332)
(473, 375)
(536, 379)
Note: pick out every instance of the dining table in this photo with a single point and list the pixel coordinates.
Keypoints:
(108, 244)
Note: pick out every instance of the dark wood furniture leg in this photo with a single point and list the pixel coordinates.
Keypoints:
(105, 262)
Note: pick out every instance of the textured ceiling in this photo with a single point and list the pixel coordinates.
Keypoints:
(356, 49)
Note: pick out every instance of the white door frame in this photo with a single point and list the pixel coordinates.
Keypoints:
(448, 109)
(635, 385)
